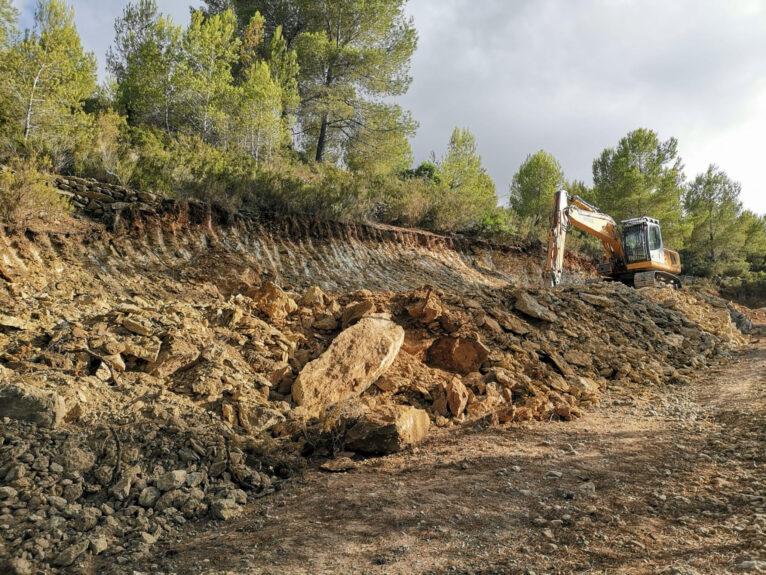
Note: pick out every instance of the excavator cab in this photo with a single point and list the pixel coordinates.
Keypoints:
(642, 241)
(645, 256)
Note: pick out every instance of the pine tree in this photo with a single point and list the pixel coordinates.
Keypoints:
(538, 179)
(48, 76)
(146, 60)
(210, 48)
(469, 192)
(642, 176)
(717, 244)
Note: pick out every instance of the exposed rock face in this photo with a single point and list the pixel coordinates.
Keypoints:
(354, 360)
(46, 409)
(457, 354)
(388, 430)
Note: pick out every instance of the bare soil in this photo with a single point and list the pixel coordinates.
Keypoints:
(663, 480)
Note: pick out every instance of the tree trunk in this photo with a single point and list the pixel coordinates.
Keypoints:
(322, 139)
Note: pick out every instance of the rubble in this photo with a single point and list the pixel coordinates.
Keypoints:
(134, 399)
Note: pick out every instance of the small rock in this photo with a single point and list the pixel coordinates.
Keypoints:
(149, 496)
(70, 554)
(225, 509)
(337, 465)
(171, 480)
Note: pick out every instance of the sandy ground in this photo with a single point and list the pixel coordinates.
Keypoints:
(668, 480)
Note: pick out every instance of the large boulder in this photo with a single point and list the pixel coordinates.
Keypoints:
(457, 354)
(355, 359)
(46, 409)
(388, 429)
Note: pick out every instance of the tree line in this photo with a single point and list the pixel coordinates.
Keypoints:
(289, 105)
(643, 175)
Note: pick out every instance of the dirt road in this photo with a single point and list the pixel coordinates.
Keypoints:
(669, 480)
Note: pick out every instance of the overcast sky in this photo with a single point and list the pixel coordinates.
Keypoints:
(571, 77)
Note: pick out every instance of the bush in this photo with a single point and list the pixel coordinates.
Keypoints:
(25, 193)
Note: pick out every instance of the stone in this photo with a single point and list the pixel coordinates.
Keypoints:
(272, 301)
(7, 492)
(175, 354)
(149, 496)
(257, 418)
(583, 388)
(528, 305)
(87, 519)
(171, 480)
(137, 325)
(18, 566)
(457, 354)
(356, 311)
(457, 396)
(98, 545)
(70, 554)
(355, 359)
(389, 429)
(26, 403)
(314, 296)
(338, 465)
(596, 300)
(225, 509)
(11, 322)
(426, 310)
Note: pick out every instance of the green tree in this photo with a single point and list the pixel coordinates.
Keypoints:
(712, 205)
(352, 55)
(210, 48)
(146, 60)
(754, 229)
(48, 76)
(9, 18)
(468, 191)
(533, 187)
(642, 176)
(260, 113)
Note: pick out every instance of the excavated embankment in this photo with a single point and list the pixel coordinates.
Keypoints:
(169, 362)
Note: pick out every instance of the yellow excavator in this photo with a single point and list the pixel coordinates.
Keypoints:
(634, 255)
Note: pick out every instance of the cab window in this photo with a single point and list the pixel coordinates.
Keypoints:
(655, 238)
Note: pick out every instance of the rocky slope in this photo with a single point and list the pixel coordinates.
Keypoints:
(166, 362)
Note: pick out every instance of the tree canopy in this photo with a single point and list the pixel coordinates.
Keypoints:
(538, 179)
(642, 176)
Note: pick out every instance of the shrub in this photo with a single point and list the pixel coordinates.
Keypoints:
(25, 193)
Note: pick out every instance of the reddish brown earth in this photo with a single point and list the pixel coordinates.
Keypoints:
(670, 480)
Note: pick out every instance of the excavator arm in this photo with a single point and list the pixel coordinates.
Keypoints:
(582, 215)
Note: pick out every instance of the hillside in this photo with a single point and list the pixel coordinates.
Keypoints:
(164, 362)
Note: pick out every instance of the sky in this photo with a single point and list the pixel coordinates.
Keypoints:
(570, 77)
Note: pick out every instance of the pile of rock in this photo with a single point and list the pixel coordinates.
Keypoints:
(126, 417)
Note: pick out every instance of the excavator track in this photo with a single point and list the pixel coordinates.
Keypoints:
(656, 279)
